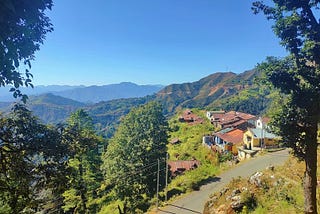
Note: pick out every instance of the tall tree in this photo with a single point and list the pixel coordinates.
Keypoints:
(30, 159)
(83, 164)
(23, 26)
(130, 162)
(298, 76)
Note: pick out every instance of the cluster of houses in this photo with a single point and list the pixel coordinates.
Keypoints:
(240, 133)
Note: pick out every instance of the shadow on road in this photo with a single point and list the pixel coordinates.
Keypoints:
(209, 180)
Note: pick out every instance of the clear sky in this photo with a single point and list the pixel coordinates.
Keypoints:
(98, 42)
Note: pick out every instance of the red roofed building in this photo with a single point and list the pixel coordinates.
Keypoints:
(178, 167)
(229, 139)
(232, 119)
(189, 117)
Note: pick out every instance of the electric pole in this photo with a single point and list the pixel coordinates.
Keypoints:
(158, 172)
(166, 191)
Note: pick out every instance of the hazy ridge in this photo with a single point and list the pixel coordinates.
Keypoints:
(222, 90)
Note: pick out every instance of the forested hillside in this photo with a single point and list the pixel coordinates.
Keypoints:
(107, 115)
(51, 108)
(228, 91)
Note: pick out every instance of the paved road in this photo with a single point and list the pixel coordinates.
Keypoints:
(195, 201)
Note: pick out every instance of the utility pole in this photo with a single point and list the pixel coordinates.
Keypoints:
(166, 191)
(262, 126)
(158, 172)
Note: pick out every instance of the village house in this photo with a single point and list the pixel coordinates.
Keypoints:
(261, 122)
(257, 137)
(189, 117)
(214, 114)
(180, 166)
(240, 133)
(228, 139)
(231, 119)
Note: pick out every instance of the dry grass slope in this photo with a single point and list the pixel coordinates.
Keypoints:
(274, 190)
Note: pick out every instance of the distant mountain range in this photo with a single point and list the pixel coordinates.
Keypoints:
(228, 91)
(88, 94)
(94, 94)
(6, 96)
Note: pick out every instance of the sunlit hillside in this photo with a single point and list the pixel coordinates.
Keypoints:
(273, 190)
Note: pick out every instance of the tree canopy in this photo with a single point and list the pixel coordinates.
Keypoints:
(130, 162)
(297, 76)
(23, 26)
(31, 158)
(84, 162)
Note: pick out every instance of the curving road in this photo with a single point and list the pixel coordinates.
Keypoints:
(195, 201)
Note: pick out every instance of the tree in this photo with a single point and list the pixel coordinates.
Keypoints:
(130, 162)
(30, 159)
(297, 76)
(23, 26)
(83, 164)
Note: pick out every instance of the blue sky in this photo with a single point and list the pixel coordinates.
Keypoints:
(100, 42)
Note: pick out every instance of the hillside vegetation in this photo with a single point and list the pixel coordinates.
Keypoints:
(274, 190)
(190, 137)
(190, 147)
(217, 91)
(107, 115)
(228, 91)
(53, 109)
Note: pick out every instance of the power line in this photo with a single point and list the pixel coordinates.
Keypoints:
(158, 183)
(135, 179)
(134, 171)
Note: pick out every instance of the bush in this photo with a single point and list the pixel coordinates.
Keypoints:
(226, 156)
(248, 200)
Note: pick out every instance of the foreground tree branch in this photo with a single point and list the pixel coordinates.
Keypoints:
(297, 76)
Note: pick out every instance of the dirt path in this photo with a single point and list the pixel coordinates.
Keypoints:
(195, 201)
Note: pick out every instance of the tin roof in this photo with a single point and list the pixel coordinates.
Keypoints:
(180, 164)
(259, 133)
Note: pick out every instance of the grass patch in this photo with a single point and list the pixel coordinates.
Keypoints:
(190, 137)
